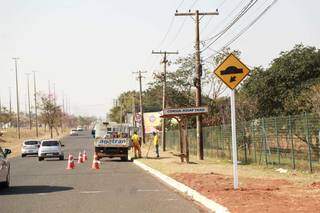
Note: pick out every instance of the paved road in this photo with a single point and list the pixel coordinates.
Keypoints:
(117, 187)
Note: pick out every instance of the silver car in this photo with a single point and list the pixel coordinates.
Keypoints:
(30, 147)
(4, 167)
(50, 149)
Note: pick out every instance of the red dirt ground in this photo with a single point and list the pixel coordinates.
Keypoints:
(255, 195)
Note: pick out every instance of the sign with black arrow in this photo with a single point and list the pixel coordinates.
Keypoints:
(232, 71)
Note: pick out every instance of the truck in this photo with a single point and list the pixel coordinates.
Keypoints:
(112, 140)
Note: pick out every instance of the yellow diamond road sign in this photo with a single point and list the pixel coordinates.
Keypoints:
(232, 71)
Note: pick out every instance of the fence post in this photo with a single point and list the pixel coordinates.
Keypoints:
(309, 141)
(254, 142)
(291, 140)
(277, 139)
(264, 140)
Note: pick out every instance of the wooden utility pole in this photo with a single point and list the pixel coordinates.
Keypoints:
(133, 110)
(17, 93)
(141, 106)
(198, 68)
(35, 101)
(164, 101)
(29, 104)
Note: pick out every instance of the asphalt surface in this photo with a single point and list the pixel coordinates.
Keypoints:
(47, 186)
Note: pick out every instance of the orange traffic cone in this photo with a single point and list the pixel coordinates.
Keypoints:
(85, 156)
(96, 162)
(70, 162)
(80, 159)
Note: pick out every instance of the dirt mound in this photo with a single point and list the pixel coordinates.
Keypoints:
(254, 195)
(315, 185)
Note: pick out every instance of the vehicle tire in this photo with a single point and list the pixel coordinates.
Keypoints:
(40, 158)
(7, 183)
(61, 157)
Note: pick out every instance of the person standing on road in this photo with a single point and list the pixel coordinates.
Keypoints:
(156, 143)
(136, 145)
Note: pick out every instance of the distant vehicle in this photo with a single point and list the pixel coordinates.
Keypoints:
(50, 149)
(79, 128)
(74, 132)
(30, 147)
(112, 140)
(4, 167)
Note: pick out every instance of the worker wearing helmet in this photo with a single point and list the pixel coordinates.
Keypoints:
(136, 146)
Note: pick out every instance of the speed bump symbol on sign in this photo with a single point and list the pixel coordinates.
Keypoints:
(232, 71)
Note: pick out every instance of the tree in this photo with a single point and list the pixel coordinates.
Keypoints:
(5, 116)
(50, 114)
(281, 88)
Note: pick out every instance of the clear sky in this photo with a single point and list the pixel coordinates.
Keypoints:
(89, 48)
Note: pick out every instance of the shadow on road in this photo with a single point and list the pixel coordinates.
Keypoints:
(16, 190)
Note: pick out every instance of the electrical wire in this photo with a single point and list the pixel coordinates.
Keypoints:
(235, 20)
(245, 29)
(251, 24)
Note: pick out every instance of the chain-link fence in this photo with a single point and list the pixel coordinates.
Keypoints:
(288, 141)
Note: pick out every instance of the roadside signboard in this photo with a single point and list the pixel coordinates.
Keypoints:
(184, 111)
(232, 71)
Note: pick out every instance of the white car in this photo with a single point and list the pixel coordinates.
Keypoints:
(4, 167)
(30, 147)
(73, 132)
(50, 149)
(79, 128)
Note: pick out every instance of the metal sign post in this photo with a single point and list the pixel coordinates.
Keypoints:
(232, 71)
(234, 139)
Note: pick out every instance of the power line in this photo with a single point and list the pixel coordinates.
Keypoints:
(251, 24)
(235, 20)
(243, 30)
(225, 19)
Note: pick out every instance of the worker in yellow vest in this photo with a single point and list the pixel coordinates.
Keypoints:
(156, 143)
(136, 146)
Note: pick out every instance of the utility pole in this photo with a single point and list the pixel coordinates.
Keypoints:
(49, 90)
(10, 105)
(198, 68)
(29, 105)
(54, 93)
(35, 102)
(133, 110)
(141, 106)
(164, 101)
(17, 93)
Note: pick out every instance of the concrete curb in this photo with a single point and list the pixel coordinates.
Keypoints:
(210, 204)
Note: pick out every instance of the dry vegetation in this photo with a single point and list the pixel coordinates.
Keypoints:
(10, 138)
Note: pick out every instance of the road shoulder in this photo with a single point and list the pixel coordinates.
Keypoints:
(210, 204)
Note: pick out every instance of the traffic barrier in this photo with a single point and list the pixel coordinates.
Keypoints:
(95, 162)
(80, 159)
(70, 164)
(85, 156)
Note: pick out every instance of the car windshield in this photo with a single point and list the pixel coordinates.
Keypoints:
(31, 142)
(50, 143)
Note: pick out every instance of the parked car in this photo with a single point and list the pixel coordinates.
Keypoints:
(30, 147)
(50, 149)
(79, 128)
(4, 167)
(74, 132)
